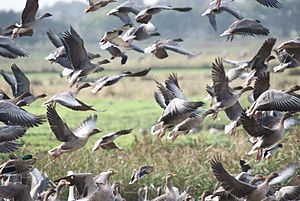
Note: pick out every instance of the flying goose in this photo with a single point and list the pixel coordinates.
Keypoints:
(11, 114)
(77, 56)
(225, 98)
(9, 49)
(144, 16)
(71, 140)
(286, 193)
(124, 9)
(267, 3)
(20, 84)
(176, 106)
(143, 32)
(115, 51)
(141, 172)
(266, 137)
(238, 188)
(107, 141)
(245, 27)
(213, 10)
(69, 100)
(97, 4)
(171, 194)
(286, 61)
(159, 48)
(28, 20)
(58, 55)
(189, 123)
(111, 80)
(8, 135)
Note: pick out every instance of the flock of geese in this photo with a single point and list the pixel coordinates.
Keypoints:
(272, 111)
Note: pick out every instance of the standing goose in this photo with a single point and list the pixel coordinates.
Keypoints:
(238, 188)
(13, 115)
(77, 56)
(116, 186)
(7, 136)
(144, 16)
(69, 100)
(213, 10)
(111, 80)
(266, 137)
(71, 140)
(159, 48)
(226, 99)
(104, 191)
(171, 194)
(245, 27)
(123, 10)
(97, 4)
(9, 49)
(144, 189)
(28, 20)
(54, 194)
(20, 84)
(107, 141)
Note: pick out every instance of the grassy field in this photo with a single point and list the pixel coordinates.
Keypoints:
(130, 104)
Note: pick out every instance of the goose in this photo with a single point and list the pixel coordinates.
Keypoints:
(54, 194)
(20, 84)
(8, 135)
(171, 194)
(16, 192)
(107, 141)
(104, 191)
(123, 10)
(246, 27)
(115, 51)
(58, 55)
(292, 47)
(145, 15)
(116, 186)
(238, 188)
(159, 48)
(97, 4)
(189, 123)
(143, 32)
(141, 172)
(213, 10)
(225, 98)
(13, 115)
(115, 38)
(69, 100)
(188, 194)
(84, 183)
(28, 20)
(146, 195)
(77, 56)
(267, 3)
(111, 80)
(176, 106)
(286, 61)
(9, 49)
(266, 137)
(286, 193)
(71, 140)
